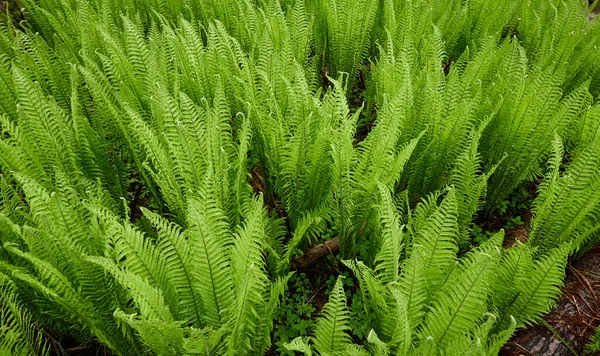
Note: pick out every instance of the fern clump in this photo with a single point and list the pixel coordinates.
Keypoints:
(164, 163)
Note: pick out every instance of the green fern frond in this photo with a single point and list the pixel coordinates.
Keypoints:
(147, 298)
(436, 241)
(567, 205)
(20, 335)
(163, 338)
(388, 259)
(299, 344)
(175, 250)
(538, 292)
(209, 239)
(330, 331)
(460, 304)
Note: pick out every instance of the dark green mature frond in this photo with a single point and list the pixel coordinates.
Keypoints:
(19, 335)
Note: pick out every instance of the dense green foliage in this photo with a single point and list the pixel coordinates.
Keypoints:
(133, 135)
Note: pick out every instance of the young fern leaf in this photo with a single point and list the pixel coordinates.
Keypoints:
(460, 304)
(174, 249)
(379, 347)
(538, 292)
(330, 331)
(209, 239)
(388, 259)
(299, 344)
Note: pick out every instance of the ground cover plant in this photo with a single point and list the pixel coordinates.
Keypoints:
(163, 165)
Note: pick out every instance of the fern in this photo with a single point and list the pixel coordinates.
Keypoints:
(349, 27)
(162, 163)
(458, 309)
(20, 336)
(330, 335)
(593, 344)
(571, 200)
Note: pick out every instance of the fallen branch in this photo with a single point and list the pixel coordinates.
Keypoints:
(313, 255)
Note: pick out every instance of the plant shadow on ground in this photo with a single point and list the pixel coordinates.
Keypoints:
(513, 215)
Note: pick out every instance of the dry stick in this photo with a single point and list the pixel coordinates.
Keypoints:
(313, 255)
(582, 278)
(316, 253)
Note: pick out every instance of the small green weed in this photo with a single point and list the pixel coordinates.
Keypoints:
(513, 223)
(480, 236)
(295, 315)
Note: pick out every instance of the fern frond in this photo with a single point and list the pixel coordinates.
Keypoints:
(209, 239)
(330, 331)
(19, 334)
(299, 344)
(413, 285)
(436, 241)
(164, 338)
(175, 250)
(538, 292)
(388, 259)
(249, 279)
(460, 304)
(203, 341)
